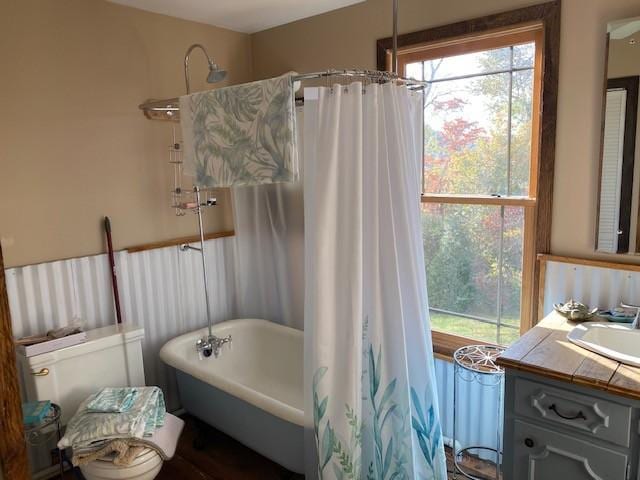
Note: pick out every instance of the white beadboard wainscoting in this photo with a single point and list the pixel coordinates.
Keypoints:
(160, 290)
(596, 284)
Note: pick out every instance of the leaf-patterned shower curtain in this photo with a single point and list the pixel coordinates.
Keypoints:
(370, 400)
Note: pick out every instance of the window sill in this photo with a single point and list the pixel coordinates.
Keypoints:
(445, 344)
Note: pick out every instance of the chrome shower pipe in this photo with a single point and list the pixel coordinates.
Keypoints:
(203, 256)
(186, 63)
(394, 52)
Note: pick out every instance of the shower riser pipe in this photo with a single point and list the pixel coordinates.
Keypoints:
(203, 257)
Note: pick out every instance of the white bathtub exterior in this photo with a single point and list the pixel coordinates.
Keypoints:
(253, 391)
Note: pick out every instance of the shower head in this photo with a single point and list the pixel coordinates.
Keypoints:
(216, 74)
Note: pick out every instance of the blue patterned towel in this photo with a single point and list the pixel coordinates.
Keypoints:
(113, 400)
(141, 420)
(241, 135)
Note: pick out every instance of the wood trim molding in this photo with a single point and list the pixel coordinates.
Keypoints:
(478, 200)
(14, 464)
(589, 263)
(476, 26)
(547, 140)
(445, 344)
(547, 18)
(542, 276)
(178, 241)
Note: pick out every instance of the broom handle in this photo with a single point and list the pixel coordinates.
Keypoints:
(112, 263)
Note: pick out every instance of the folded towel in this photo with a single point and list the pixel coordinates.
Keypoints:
(145, 415)
(241, 135)
(113, 400)
(122, 452)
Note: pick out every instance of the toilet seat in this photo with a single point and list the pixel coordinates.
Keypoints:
(144, 467)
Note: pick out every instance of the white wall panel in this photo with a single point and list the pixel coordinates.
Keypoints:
(595, 286)
(477, 405)
(161, 290)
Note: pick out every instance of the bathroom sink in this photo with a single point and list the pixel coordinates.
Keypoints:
(618, 342)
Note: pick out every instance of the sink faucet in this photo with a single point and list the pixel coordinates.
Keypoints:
(212, 344)
(635, 325)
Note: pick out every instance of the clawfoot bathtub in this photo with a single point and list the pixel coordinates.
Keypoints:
(253, 391)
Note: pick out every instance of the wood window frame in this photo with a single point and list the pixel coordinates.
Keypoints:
(542, 20)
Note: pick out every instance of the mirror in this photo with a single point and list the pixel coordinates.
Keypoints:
(618, 226)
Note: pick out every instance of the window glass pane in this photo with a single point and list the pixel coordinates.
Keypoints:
(471, 147)
(474, 329)
(523, 55)
(468, 64)
(512, 251)
(473, 257)
(461, 245)
(413, 70)
(466, 135)
(521, 106)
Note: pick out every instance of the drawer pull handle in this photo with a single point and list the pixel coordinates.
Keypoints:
(528, 442)
(577, 416)
(42, 373)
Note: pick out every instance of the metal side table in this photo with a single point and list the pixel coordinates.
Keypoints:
(477, 453)
(41, 433)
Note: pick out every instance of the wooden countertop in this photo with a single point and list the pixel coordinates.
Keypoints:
(545, 350)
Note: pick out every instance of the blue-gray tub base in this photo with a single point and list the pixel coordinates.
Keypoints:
(270, 436)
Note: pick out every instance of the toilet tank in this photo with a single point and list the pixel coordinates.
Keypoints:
(111, 357)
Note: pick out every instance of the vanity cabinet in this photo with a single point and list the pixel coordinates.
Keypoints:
(564, 431)
(569, 414)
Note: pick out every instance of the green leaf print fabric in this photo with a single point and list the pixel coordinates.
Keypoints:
(241, 135)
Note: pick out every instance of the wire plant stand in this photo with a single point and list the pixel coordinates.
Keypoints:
(476, 364)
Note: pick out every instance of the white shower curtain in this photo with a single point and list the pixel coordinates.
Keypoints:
(370, 400)
(269, 242)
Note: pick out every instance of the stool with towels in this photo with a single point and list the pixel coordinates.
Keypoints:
(122, 433)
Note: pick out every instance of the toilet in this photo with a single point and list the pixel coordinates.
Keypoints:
(144, 467)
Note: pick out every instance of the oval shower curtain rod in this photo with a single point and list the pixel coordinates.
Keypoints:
(169, 109)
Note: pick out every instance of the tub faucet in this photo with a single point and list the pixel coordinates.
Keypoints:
(212, 344)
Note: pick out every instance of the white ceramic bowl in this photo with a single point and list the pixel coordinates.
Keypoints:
(145, 467)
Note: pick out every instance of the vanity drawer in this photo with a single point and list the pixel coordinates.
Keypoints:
(543, 454)
(602, 419)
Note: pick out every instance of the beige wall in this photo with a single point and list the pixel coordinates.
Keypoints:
(624, 58)
(73, 144)
(346, 38)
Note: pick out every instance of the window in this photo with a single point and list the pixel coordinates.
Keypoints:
(488, 171)
(479, 180)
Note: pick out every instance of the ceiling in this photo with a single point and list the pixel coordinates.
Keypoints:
(247, 16)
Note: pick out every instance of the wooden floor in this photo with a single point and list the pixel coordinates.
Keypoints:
(223, 458)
